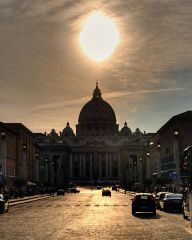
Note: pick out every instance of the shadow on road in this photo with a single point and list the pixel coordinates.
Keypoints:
(147, 216)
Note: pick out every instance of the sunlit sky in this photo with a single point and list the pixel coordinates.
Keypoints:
(46, 77)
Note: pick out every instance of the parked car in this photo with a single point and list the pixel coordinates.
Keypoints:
(98, 187)
(75, 190)
(186, 213)
(4, 204)
(172, 202)
(60, 192)
(158, 197)
(106, 192)
(115, 187)
(143, 202)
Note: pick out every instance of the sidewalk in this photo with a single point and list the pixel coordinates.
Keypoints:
(27, 199)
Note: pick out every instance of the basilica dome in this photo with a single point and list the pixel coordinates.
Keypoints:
(125, 131)
(67, 131)
(97, 117)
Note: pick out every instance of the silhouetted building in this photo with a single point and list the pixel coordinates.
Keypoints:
(25, 151)
(7, 153)
(167, 148)
(98, 154)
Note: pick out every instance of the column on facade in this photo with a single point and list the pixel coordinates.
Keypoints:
(83, 163)
(80, 158)
(46, 172)
(3, 157)
(136, 169)
(119, 164)
(148, 172)
(100, 165)
(91, 163)
(106, 166)
(110, 166)
(24, 163)
(71, 166)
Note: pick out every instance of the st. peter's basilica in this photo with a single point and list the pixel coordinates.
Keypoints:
(99, 153)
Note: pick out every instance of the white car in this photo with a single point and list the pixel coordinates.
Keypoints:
(4, 204)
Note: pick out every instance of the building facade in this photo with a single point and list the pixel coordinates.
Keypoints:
(25, 151)
(98, 154)
(166, 150)
(7, 154)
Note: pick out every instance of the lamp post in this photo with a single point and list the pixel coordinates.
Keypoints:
(134, 172)
(46, 169)
(24, 160)
(158, 160)
(148, 165)
(176, 159)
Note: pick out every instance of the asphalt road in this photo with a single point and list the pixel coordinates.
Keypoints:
(88, 215)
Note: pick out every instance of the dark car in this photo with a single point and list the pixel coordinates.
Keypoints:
(172, 202)
(106, 192)
(98, 187)
(186, 212)
(115, 187)
(4, 204)
(158, 197)
(143, 202)
(75, 190)
(60, 192)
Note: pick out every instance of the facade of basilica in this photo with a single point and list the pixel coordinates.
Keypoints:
(99, 153)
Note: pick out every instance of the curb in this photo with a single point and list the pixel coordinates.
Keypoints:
(27, 200)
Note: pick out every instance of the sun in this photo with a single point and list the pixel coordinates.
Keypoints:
(99, 36)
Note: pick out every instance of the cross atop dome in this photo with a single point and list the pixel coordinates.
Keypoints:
(97, 92)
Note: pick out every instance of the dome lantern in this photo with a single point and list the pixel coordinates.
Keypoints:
(97, 92)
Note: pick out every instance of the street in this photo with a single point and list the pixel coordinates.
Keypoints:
(88, 215)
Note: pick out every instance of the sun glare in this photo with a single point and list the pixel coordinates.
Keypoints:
(99, 37)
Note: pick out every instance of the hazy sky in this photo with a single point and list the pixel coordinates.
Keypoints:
(45, 77)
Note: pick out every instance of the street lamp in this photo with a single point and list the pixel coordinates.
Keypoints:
(176, 158)
(148, 168)
(158, 159)
(24, 146)
(3, 134)
(176, 132)
(158, 145)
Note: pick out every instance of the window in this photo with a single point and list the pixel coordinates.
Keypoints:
(190, 131)
(115, 172)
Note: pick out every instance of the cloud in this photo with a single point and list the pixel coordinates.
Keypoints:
(43, 69)
(76, 102)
